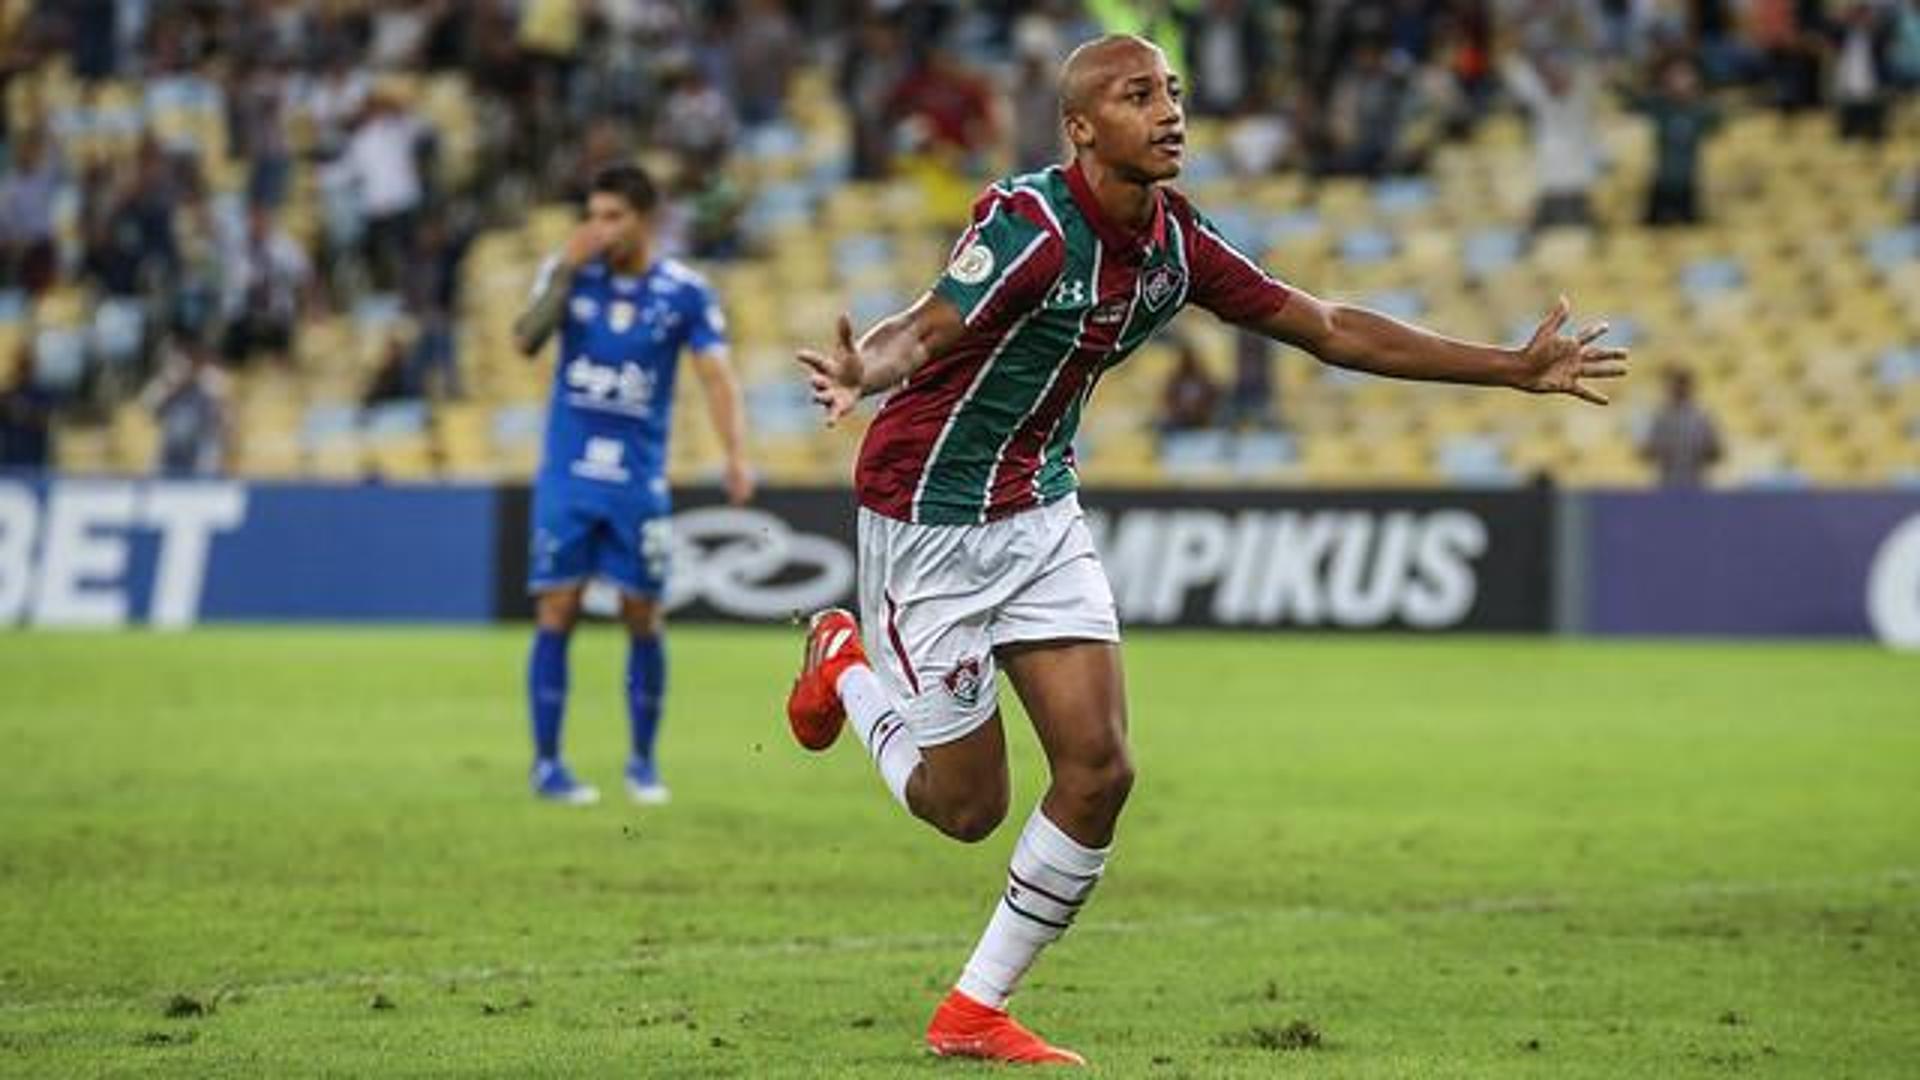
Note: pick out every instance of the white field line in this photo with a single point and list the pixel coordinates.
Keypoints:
(655, 956)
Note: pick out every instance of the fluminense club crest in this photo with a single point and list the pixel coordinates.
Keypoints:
(963, 682)
(1161, 283)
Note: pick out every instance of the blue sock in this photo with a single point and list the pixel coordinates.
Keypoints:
(547, 690)
(646, 686)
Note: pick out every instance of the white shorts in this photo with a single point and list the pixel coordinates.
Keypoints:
(937, 600)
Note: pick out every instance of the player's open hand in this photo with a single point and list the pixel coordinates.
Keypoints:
(1556, 363)
(836, 376)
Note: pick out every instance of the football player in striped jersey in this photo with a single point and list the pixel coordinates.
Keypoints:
(974, 557)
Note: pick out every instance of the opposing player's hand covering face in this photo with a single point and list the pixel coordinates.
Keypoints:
(1121, 102)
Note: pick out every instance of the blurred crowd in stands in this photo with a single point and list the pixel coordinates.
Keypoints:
(186, 278)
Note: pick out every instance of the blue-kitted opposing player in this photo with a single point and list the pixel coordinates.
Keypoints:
(600, 502)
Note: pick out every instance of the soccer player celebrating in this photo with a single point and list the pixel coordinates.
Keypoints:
(973, 553)
(600, 502)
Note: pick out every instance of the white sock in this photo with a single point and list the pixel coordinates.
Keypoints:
(1048, 880)
(875, 721)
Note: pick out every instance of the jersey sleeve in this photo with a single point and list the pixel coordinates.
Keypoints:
(706, 323)
(1227, 282)
(543, 278)
(1005, 262)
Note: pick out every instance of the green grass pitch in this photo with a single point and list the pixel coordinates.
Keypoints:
(280, 852)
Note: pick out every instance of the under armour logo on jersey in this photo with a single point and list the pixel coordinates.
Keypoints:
(1070, 293)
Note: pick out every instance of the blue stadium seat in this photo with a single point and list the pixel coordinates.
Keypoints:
(1365, 246)
(856, 252)
(1475, 460)
(869, 306)
(1898, 365)
(1402, 195)
(1706, 277)
(328, 423)
(1488, 251)
(394, 419)
(1194, 451)
(1890, 247)
(1257, 452)
(518, 425)
(60, 359)
(1405, 304)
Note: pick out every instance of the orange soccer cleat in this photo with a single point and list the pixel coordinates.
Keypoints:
(814, 711)
(962, 1027)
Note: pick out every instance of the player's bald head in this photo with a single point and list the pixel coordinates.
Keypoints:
(1092, 66)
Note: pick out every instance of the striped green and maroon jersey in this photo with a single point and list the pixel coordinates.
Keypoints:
(1053, 294)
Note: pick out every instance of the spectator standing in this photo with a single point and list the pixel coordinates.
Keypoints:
(258, 130)
(131, 241)
(1191, 396)
(1364, 112)
(1035, 97)
(1226, 55)
(393, 380)
(28, 189)
(1683, 442)
(26, 418)
(1557, 88)
(189, 400)
(1250, 404)
(1790, 50)
(948, 107)
(765, 48)
(1682, 119)
(432, 296)
(383, 161)
(870, 70)
(1860, 73)
(697, 121)
(267, 286)
(334, 98)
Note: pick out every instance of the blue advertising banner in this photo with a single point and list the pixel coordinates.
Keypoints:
(1754, 563)
(113, 552)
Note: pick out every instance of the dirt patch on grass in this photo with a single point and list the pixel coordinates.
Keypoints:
(166, 1038)
(186, 1007)
(1293, 1035)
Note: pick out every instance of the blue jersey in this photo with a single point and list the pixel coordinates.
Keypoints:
(612, 405)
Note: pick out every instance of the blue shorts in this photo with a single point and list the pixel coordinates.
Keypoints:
(575, 539)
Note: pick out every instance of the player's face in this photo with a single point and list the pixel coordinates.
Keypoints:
(1136, 125)
(621, 228)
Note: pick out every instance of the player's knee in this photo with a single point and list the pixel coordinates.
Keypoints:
(973, 813)
(644, 622)
(557, 612)
(1101, 783)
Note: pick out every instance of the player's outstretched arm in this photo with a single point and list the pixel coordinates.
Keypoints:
(1351, 337)
(722, 391)
(883, 358)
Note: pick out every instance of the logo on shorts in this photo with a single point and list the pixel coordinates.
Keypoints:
(1161, 283)
(972, 266)
(963, 682)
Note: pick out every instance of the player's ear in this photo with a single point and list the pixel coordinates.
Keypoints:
(1079, 131)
